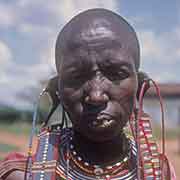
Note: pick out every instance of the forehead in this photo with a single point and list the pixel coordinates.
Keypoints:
(108, 52)
(97, 33)
(98, 29)
(89, 35)
(101, 37)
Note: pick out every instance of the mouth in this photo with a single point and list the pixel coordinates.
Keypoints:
(100, 121)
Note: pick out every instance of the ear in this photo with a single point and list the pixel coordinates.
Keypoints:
(52, 89)
(142, 77)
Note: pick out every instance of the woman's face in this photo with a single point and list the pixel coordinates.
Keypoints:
(98, 84)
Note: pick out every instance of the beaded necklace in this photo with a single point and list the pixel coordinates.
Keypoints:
(79, 170)
(98, 170)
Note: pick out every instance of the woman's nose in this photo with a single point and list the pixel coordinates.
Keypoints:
(96, 97)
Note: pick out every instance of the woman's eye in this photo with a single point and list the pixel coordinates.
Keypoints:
(117, 75)
(76, 79)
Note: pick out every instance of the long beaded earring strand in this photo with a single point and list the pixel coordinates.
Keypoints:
(65, 120)
(29, 157)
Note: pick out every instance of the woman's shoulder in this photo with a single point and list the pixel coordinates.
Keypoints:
(13, 166)
(15, 175)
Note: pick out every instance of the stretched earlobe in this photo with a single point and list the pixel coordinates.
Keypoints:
(142, 77)
(52, 90)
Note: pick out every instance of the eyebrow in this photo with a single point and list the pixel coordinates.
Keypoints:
(115, 61)
(76, 44)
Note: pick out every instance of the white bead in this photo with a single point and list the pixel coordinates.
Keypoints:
(98, 171)
(96, 166)
(118, 164)
(44, 155)
(125, 159)
(46, 145)
(86, 164)
(79, 158)
(109, 167)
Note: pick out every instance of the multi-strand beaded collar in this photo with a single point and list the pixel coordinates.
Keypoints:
(56, 158)
(52, 158)
(98, 170)
(118, 169)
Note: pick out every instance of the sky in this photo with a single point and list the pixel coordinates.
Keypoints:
(29, 28)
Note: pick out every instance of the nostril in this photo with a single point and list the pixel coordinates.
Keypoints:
(96, 100)
(94, 108)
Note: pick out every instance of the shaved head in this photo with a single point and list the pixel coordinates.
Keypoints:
(97, 57)
(94, 27)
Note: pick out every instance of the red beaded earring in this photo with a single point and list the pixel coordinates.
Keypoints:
(150, 163)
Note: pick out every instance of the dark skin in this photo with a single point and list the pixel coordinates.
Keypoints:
(99, 102)
(98, 60)
(98, 85)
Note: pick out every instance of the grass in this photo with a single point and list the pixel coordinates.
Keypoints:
(18, 128)
(8, 147)
(170, 133)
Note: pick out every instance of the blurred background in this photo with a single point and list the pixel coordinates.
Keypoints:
(28, 31)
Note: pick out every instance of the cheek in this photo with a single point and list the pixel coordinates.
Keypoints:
(71, 95)
(72, 99)
(124, 91)
(124, 94)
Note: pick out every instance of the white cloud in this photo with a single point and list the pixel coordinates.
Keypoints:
(8, 17)
(67, 9)
(160, 53)
(34, 29)
(165, 76)
(159, 47)
(5, 55)
(150, 46)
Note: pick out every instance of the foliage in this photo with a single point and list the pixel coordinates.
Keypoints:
(11, 115)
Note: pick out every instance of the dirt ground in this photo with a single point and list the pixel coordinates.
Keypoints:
(22, 142)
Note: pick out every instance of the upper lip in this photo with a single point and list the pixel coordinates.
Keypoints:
(93, 109)
(102, 114)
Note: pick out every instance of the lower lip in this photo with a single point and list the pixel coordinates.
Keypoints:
(100, 124)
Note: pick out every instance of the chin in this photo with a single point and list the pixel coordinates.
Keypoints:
(99, 129)
(100, 138)
(101, 134)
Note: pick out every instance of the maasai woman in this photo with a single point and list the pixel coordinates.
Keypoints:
(97, 60)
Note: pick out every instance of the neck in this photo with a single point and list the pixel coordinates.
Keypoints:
(103, 153)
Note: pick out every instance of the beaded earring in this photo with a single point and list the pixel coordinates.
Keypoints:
(65, 123)
(52, 91)
(29, 156)
(135, 126)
